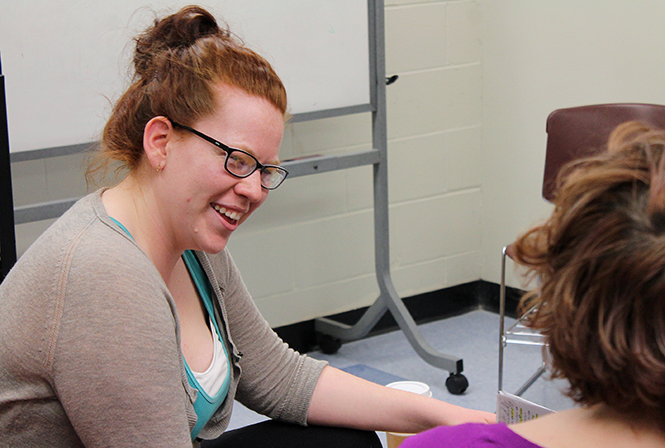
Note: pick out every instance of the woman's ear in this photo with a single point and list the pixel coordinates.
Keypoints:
(155, 138)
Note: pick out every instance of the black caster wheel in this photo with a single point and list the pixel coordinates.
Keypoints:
(457, 383)
(329, 345)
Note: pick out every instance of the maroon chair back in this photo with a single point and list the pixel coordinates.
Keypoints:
(583, 131)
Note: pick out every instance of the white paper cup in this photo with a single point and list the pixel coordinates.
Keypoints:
(415, 387)
(395, 439)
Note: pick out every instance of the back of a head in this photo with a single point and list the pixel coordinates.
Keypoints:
(600, 259)
(178, 62)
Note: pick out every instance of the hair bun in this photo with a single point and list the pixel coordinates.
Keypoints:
(174, 32)
(184, 28)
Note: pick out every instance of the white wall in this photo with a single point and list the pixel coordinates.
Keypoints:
(466, 148)
(547, 54)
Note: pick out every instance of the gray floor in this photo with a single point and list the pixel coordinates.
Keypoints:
(473, 336)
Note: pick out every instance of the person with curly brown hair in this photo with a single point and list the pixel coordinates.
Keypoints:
(600, 303)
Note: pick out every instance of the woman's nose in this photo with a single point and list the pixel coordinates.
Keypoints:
(250, 186)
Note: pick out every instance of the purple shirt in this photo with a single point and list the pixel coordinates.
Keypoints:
(470, 435)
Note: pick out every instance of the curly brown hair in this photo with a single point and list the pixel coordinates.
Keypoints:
(177, 63)
(600, 261)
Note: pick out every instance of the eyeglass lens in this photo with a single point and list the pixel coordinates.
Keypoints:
(241, 164)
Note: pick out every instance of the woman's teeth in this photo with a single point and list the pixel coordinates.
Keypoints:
(228, 213)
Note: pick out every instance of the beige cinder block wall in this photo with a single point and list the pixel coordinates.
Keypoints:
(538, 56)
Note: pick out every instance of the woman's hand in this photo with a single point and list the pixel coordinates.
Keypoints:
(464, 415)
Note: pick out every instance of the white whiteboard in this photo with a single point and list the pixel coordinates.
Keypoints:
(66, 61)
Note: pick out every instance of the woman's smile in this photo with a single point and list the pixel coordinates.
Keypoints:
(229, 218)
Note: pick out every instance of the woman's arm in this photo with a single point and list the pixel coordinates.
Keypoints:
(341, 399)
(276, 381)
(117, 365)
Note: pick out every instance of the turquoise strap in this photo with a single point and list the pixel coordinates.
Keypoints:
(205, 405)
(121, 226)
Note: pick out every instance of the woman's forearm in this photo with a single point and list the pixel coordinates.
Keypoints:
(341, 399)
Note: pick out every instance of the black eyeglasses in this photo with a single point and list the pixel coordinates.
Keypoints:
(242, 164)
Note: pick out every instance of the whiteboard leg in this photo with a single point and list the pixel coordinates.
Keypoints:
(389, 301)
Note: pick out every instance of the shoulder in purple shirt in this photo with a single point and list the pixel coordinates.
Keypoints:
(470, 435)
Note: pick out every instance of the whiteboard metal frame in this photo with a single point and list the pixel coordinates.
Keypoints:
(388, 300)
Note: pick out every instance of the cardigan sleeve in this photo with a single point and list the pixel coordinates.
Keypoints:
(276, 381)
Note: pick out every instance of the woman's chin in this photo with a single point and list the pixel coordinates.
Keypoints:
(212, 245)
(215, 248)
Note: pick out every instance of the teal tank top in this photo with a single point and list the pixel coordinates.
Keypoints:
(205, 406)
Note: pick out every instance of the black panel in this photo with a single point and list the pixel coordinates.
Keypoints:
(7, 230)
